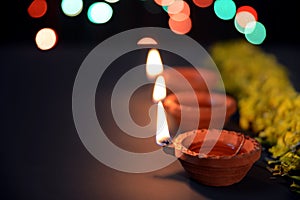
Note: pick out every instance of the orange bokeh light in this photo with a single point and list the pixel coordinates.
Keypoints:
(183, 14)
(164, 2)
(180, 27)
(176, 7)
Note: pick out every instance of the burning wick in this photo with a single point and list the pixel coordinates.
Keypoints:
(163, 137)
(165, 141)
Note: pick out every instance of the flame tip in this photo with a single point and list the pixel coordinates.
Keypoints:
(154, 64)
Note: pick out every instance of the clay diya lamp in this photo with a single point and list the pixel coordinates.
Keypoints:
(209, 107)
(180, 78)
(224, 162)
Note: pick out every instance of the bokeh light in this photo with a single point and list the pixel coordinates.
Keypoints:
(245, 17)
(45, 38)
(203, 3)
(71, 7)
(242, 19)
(257, 34)
(100, 12)
(163, 2)
(248, 9)
(180, 27)
(183, 14)
(37, 8)
(176, 7)
(225, 9)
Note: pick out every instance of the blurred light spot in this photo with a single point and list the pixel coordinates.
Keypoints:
(99, 12)
(164, 2)
(45, 38)
(180, 27)
(71, 7)
(146, 41)
(183, 14)
(241, 20)
(225, 9)
(203, 3)
(176, 7)
(37, 8)
(111, 1)
(250, 27)
(258, 33)
(248, 9)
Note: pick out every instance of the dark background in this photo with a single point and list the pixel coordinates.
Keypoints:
(279, 17)
(42, 156)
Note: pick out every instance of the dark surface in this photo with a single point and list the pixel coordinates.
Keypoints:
(42, 156)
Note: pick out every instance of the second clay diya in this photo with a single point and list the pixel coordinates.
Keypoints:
(199, 79)
(201, 110)
(227, 161)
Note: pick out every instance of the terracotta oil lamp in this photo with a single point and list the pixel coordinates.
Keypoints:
(225, 163)
(202, 109)
(182, 78)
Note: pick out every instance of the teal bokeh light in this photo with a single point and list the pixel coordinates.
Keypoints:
(71, 8)
(100, 12)
(257, 34)
(225, 9)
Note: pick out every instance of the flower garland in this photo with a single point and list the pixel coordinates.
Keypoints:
(268, 104)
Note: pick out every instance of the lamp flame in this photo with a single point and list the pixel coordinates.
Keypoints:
(154, 65)
(163, 137)
(159, 90)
